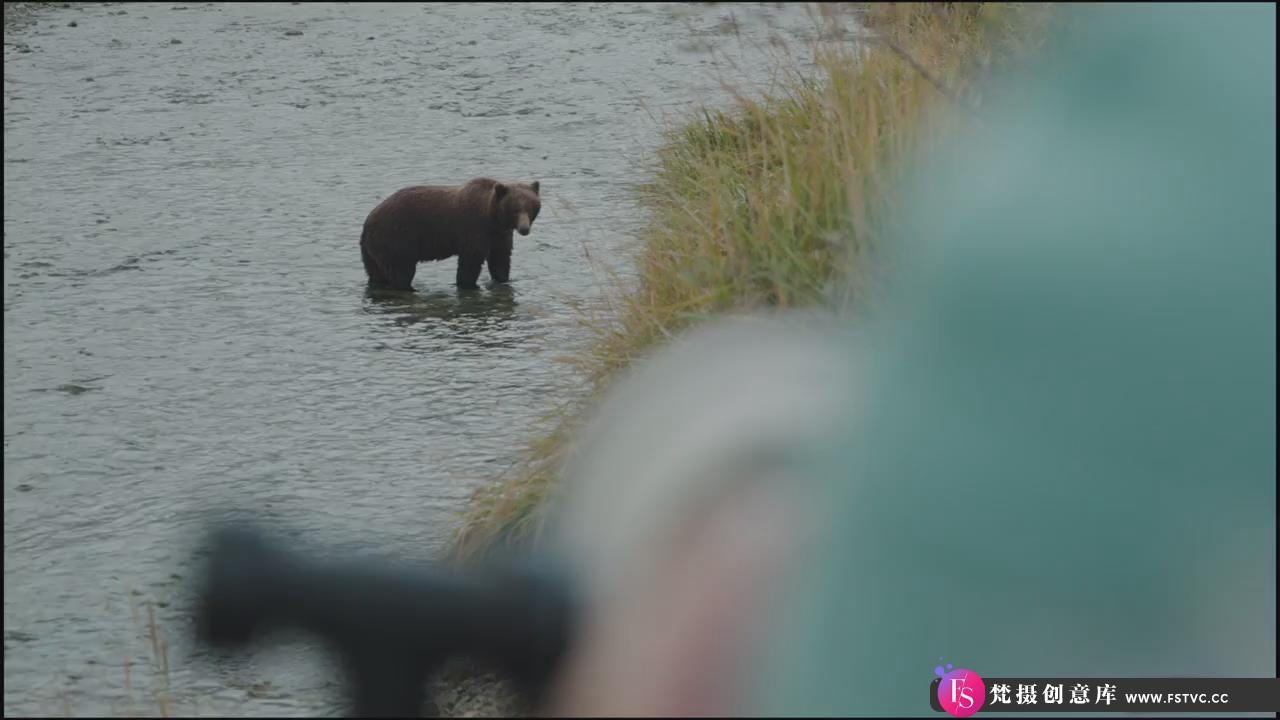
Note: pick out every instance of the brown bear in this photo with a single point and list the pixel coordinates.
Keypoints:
(433, 222)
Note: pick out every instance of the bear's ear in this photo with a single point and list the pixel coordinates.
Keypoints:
(535, 187)
(499, 190)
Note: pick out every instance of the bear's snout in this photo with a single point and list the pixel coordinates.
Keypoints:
(522, 224)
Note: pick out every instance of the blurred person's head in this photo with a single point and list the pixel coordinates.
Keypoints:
(1059, 460)
(678, 509)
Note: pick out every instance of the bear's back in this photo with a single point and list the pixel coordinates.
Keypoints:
(435, 203)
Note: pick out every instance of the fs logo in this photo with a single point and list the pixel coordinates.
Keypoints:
(961, 692)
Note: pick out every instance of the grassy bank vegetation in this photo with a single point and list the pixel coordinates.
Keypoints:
(779, 201)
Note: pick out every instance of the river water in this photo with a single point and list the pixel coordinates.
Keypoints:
(186, 324)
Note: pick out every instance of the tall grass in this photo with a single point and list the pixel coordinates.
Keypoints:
(780, 201)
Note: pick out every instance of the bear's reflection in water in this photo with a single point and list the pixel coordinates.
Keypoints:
(460, 312)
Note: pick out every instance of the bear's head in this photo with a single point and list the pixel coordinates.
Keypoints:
(517, 205)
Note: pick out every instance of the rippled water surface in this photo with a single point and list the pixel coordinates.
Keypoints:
(186, 325)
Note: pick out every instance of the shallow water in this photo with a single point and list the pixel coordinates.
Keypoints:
(186, 324)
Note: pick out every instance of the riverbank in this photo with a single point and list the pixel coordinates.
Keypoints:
(778, 202)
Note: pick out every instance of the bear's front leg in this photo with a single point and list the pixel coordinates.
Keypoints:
(500, 261)
(469, 271)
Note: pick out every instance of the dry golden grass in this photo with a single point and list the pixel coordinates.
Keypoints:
(778, 202)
